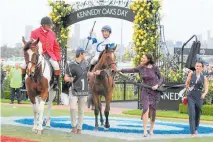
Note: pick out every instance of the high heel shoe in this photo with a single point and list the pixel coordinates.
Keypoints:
(151, 133)
(145, 134)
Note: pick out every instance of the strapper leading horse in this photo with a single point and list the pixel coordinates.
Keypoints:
(103, 84)
(39, 83)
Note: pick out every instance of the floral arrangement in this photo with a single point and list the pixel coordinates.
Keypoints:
(146, 34)
(60, 10)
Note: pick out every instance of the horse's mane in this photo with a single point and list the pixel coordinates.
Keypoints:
(27, 46)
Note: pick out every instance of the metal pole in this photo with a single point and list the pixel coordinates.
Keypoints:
(124, 90)
(138, 97)
(121, 35)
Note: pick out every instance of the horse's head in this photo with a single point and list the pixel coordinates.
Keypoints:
(108, 59)
(32, 49)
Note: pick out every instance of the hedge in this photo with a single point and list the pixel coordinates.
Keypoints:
(206, 109)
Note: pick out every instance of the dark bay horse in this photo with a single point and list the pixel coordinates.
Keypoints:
(38, 82)
(103, 84)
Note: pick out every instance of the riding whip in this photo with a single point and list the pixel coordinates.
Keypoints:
(90, 34)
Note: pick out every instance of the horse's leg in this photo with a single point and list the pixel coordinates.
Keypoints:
(96, 111)
(52, 94)
(100, 109)
(34, 101)
(107, 109)
(41, 111)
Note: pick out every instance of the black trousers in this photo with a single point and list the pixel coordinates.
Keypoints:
(17, 92)
(194, 109)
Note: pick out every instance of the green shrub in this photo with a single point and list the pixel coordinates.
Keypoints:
(206, 109)
(209, 96)
(6, 83)
(7, 94)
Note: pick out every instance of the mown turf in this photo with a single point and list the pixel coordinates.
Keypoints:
(57, 136)
(169, 114)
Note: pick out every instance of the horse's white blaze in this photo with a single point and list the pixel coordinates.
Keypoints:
(29, 66)
(30, 53)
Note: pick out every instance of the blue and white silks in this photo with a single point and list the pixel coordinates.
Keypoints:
(99, 46)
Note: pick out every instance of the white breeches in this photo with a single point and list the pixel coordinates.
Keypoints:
(73, 107)
(54, 64)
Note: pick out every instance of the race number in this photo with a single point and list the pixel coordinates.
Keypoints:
(81, 86)
(82, 82)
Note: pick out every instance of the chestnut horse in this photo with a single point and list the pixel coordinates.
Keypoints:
(103, 84)
(38, 83)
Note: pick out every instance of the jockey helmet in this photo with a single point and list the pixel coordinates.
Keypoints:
(107, 28)
(46, 20)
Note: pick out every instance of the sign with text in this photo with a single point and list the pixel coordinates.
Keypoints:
(170, 100)
(100, 11)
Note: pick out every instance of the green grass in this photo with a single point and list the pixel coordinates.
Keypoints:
(169, 114)
(9, 110)
(57, 136)
(8, 101)
(23, 102)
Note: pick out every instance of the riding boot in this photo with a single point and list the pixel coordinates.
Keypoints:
(56, 80)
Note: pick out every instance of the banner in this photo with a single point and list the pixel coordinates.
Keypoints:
(99, 11)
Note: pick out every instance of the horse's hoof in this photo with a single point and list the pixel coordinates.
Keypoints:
(40, 132)
(106, 129)
(47, 126)
(35, 131)
(107, 126)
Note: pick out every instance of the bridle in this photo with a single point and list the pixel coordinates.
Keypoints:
(109, 64)
(35, 63)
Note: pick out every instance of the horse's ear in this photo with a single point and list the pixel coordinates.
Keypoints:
(23, 40)
(36, 42)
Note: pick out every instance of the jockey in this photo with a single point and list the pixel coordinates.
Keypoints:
(50, 47)
(100, 45)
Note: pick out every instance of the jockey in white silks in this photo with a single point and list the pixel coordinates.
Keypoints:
(100, 45)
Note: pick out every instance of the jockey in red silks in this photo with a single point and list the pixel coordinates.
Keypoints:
(50, 46)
